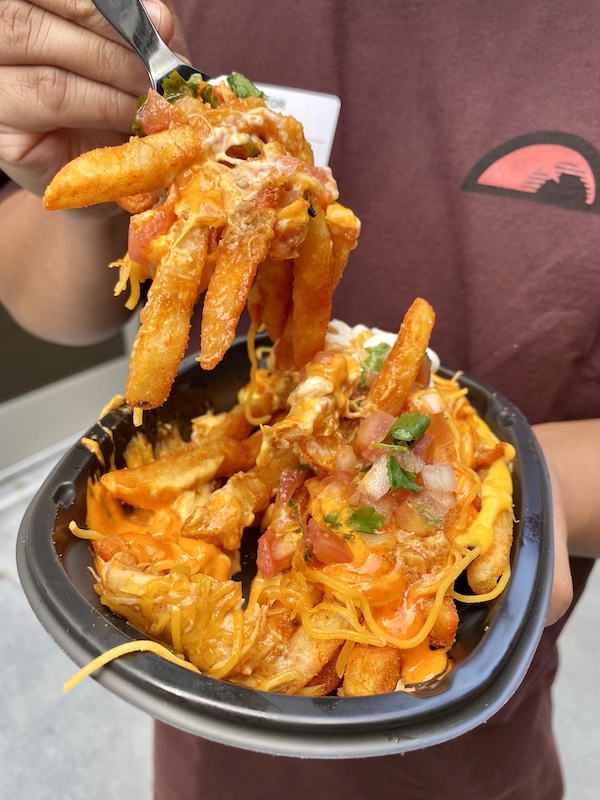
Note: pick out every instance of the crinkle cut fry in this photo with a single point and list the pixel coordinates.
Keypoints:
(166, 320)
(391, 387)
(138, 166)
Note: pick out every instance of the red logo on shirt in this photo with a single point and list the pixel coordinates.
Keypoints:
(547, 167)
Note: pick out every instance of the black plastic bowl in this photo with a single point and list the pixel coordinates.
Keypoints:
(494, 647)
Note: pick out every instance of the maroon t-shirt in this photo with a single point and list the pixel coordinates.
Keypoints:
(468, 146)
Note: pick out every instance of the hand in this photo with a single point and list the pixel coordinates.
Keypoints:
(70, 84)
(573, 458)
(562, 584)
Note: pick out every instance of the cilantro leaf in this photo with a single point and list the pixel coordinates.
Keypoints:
(208, 96)
(242, 87)
(401, 478)
(409, 427)
(373, 362)
(365, 520)
(333, 520)
(136, 128)
(174, 87)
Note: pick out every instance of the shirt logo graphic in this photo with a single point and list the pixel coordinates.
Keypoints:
(546, 167)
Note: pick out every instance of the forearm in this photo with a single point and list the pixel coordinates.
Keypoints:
(54, 275)
(573, 452)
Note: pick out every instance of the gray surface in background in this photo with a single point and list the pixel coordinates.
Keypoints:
(90, 745)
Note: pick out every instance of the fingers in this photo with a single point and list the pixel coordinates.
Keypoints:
(32, 37)
(84, 14)
(74, 84)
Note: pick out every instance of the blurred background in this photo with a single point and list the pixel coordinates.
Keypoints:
(89, 744)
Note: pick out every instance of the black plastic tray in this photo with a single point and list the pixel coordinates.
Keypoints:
(494, 647)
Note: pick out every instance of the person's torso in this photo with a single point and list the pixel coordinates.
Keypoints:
(468, 146)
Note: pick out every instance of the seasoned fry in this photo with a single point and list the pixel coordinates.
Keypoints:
(136, 167)
(312, 292)
(443, 633)
(161, 341)
(160, 482)
(233, 508)
(241, 249)
(372, 670)
(209, 160)
(483, 574)
(344, 228)
(274, 294)
(228, 424)
(391, 387)
(288, 668)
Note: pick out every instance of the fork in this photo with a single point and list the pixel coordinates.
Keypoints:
(130, 19)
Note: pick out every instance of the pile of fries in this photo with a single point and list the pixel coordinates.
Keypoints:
(225, 200)
(374, 489)
(378, 498)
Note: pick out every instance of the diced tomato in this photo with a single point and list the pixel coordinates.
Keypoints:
(322, 357)
(158, 114)
(439, 428)
(424, 373)
(424, 447)
(271, 559)
(329, 192)
(143, 230)
(290, 480)
(420, 514)
(372, 429)
(338, 481)
(326, 545)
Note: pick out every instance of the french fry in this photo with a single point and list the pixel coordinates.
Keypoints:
(227, 424)
(483, 573)
(289, 230)
(159, 482)
(163, 335)
(274, 288)
(445, 627)
(136, 167)
(344, 228)
(392, 385)
(234, 506)
(372, 670)
(312, 292)
(303, 656)
(243, 246)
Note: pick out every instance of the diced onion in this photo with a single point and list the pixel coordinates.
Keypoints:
(376, 482)
(433, 402)
(410, 461)
(345, 457)
(439, 478)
